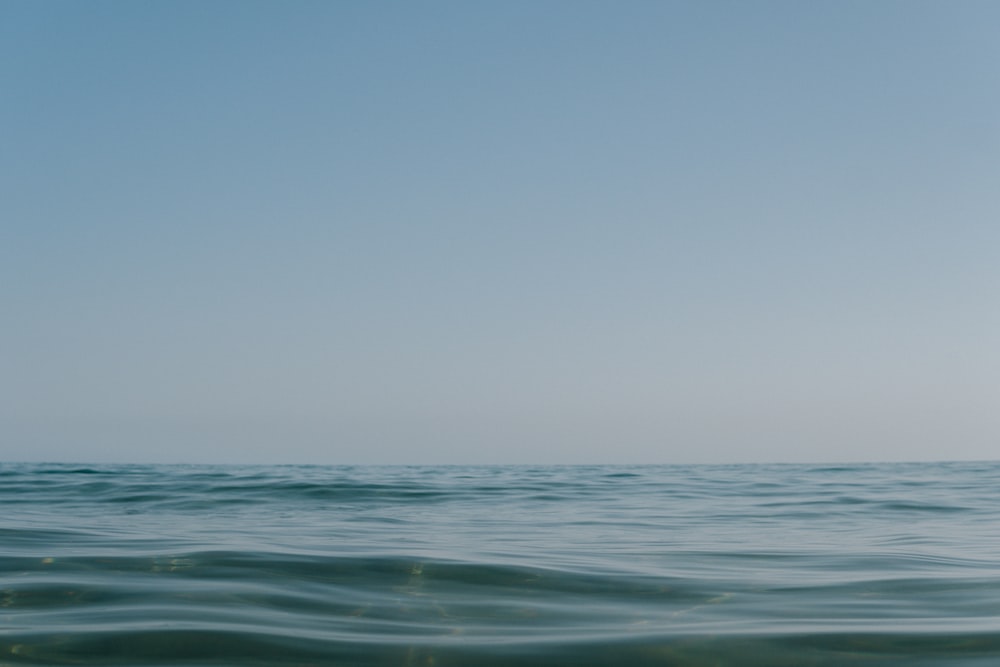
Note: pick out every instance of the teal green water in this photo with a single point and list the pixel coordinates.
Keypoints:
(770, 565)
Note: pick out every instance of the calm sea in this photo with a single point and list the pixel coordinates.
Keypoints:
(888, 564)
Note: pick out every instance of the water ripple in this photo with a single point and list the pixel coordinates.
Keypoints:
(688, 566)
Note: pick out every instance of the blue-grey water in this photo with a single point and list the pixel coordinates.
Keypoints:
(887, 564)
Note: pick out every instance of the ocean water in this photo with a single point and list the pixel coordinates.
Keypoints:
(770, 565)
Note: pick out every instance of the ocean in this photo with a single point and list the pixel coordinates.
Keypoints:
(732, 565)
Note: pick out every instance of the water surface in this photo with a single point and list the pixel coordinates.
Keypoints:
(887, 564)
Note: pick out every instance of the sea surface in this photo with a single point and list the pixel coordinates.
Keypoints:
(743, 565)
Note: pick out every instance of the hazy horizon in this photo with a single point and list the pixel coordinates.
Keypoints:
(445, 232)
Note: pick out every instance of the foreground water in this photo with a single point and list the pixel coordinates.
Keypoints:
(894, 564)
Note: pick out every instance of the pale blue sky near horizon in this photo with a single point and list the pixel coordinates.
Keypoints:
(499, 232)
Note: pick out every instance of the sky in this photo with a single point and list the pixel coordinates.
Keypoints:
(499, 232)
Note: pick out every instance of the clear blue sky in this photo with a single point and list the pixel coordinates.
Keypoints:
(462, 232)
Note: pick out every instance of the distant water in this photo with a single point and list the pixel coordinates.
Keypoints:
(769, 565)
